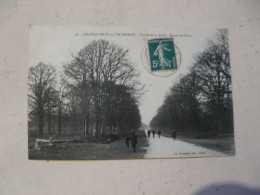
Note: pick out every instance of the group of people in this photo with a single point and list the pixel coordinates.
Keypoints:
(174, 133)
(133, 139)
(153, 132)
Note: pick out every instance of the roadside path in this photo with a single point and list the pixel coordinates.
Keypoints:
(166, 147)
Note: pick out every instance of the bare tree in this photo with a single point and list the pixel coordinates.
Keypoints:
(201, 101)
(41, 89)
(95, 72)
(212, 67)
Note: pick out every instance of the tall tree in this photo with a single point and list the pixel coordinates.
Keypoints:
(212, 67)
(94, 73)
(42, 84)
(51, 104)
(201, 100)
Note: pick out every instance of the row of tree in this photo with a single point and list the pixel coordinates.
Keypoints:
(97, 92)
(201, 102)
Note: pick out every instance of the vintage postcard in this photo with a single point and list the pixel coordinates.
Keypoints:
(129, 93)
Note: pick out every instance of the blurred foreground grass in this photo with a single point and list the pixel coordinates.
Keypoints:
(92, 150)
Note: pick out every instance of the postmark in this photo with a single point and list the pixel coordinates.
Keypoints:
(161, 57)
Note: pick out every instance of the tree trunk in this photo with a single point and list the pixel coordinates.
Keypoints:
(114, 125)
(49, 121)
(59, 128)
(97, 124)
(105, 127)
(87, 124)
(41, 116)
(111, 125)
(84, 120)
(75, 127)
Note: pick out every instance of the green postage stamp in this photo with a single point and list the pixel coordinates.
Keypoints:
(162, 54)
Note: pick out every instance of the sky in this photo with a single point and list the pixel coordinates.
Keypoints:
(55, 44)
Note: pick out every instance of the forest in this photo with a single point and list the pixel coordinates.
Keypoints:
(200, 104)
(99, 90)
(96, 93)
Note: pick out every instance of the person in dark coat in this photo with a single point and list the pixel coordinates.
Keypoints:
(134, 141)
(127, 139)
(159, 133)
(153, 133)
(174, 134)
(148, 133)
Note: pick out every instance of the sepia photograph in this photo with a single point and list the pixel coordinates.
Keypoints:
(129, 93)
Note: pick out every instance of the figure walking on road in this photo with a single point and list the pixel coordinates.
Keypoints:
(159, 133)
(174, 134)
(127, 139)
(134, 141)
(153, 133)
(148, 133)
